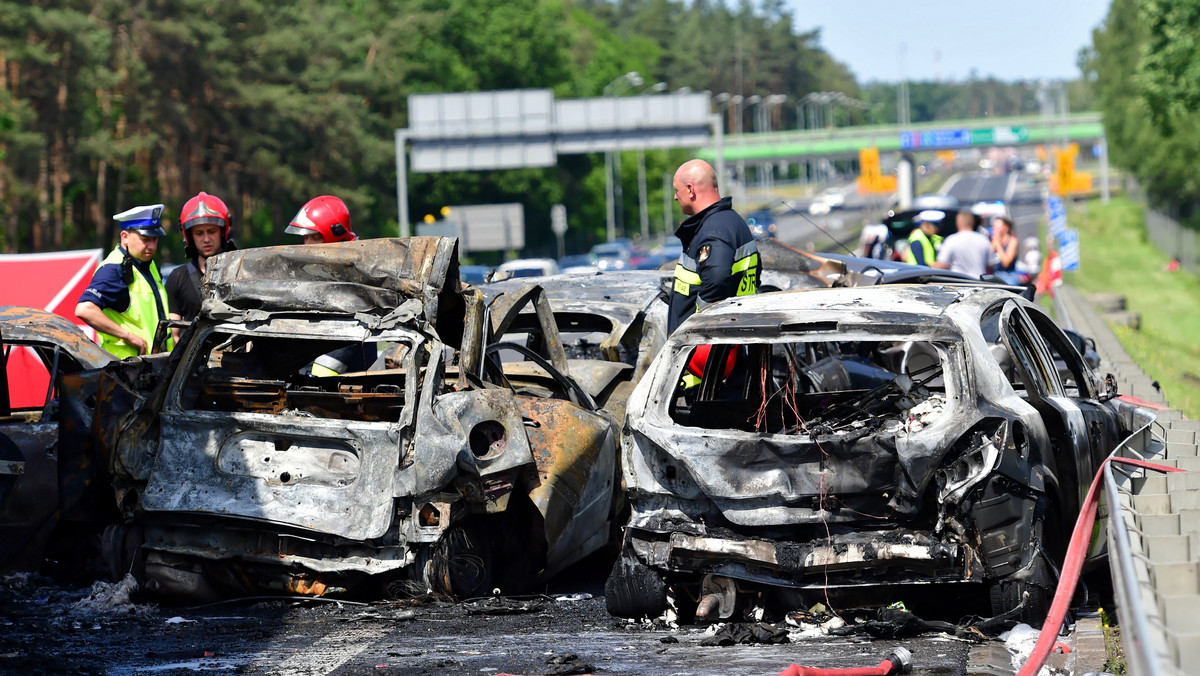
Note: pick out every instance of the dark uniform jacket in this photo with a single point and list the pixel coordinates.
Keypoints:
(720, 259)
(183, 290)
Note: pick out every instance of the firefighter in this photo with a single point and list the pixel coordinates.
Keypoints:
(125, 301)
(205, 224)
(720, 258)
(322, 220)
(325, 220)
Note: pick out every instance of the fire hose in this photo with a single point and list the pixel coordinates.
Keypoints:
(1073, 566)
(900, 661)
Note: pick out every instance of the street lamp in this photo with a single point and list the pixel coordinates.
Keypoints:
(643, 208)
(612, 191)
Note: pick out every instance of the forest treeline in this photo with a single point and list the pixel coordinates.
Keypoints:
(105, 104)
(1144, 67)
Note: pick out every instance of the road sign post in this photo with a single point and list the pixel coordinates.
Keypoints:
(558, 225)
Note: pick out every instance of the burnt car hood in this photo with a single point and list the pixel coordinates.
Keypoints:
(417, 275)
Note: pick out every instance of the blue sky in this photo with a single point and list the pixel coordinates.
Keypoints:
(943, 39)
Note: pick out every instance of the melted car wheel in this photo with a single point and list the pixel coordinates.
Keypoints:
(462, 563)
(1025, 595)
(633, 590)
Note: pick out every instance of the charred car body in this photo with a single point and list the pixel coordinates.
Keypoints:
(611, 325)
(44, 486)
(867, 440)
(238, 469)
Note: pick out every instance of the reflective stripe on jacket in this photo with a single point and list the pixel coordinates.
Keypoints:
(143, 314)
(730, 267)
(928, 247)
(744, 272)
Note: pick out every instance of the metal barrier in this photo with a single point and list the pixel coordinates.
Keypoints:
(1143, 634)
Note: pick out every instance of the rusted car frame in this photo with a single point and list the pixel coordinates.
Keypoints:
(240, 472)
(43, 484)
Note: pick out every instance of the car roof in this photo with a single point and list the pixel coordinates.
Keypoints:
(626, 287)
(26, 324)
(765, 314)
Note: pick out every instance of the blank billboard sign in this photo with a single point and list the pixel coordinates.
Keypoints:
(489, 227)
(482, 130)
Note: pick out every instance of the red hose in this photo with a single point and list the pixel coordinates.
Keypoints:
(885, 668)
(899, 662)
(1073, 566)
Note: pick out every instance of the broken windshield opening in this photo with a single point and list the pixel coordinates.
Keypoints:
(810, 388)
(301, 376)
(582, 334)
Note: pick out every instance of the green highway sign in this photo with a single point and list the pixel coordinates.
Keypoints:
(999, 135)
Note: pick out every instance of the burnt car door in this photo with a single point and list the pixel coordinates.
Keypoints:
(45, 485)
(1037, 379)
(1081, 387)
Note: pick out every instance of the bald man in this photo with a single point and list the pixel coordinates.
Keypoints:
(719, 257)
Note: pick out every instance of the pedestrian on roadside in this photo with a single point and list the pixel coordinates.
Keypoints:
(967, 250)
(126, 301)
(720, 258)
(924, 240)
(205, 225)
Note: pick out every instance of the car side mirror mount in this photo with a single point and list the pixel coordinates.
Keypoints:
(1110, 388)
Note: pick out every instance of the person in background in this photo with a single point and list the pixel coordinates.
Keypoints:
(205, 225)
(1031, 260)
(1004, 251)
(923, 241)
(967, 250)
(125, 301)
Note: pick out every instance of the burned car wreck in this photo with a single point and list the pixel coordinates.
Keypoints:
(856, 444)
(611, 325)
(52, 496)
(420, 466)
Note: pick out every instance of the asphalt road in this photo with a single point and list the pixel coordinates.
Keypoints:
(50, 629)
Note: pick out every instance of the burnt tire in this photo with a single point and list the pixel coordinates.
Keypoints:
(1025, 595)
(464, 563)
(633, 590)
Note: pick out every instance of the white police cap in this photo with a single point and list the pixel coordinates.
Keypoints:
(146, 220)
(930, 216)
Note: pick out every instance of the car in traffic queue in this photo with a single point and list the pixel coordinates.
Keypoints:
(428, 465)
(860, 445)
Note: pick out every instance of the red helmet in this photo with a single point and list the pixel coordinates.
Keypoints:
(326, 215)
(205, 209)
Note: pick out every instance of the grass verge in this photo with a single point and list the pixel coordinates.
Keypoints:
(1116, 256)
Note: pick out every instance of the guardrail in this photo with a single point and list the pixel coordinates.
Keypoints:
(1143, 633)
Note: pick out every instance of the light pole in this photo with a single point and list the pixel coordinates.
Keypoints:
(643, 209)
(612, 191)
(771, 101)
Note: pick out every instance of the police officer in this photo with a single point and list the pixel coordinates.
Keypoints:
(720, 258)
(326, 220)
(923, 241)
(205, 225)
(125, 300)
